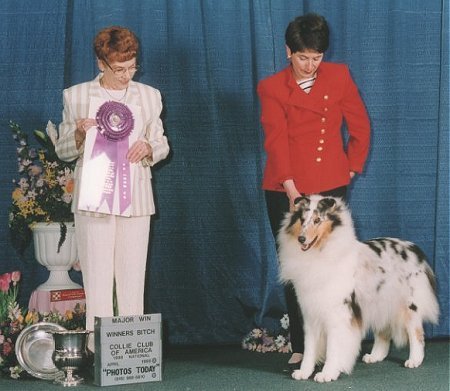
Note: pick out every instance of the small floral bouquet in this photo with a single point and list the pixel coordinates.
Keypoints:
(71, 320)
(43, 192)
(261, 340)
(13, 320)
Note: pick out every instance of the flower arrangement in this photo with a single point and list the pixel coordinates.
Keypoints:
(13, 320)
(261, 340)
(43, 191)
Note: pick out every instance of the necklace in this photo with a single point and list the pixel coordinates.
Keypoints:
(112, 95)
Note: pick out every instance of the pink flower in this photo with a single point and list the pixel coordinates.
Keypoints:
(7, 348)
(15, 277)
(5, 279)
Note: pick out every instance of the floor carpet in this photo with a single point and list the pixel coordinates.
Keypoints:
(229, 368)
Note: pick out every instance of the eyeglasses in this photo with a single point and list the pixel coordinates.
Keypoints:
(122, 71)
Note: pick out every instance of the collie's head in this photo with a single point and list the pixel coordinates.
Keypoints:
(314, 219)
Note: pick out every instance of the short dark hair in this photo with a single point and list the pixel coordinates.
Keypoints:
(308, 32)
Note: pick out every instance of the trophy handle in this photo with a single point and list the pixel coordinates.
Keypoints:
(90, 344)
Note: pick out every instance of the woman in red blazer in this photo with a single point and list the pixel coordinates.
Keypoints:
(302, 111)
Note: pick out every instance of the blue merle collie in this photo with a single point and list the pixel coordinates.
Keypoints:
(346, 287)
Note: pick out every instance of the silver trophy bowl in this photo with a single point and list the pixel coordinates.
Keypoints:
(70, 355)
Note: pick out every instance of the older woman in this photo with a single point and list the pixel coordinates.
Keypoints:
(113, 246)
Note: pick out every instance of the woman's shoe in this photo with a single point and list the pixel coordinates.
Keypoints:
(294, 366)
(295, 361)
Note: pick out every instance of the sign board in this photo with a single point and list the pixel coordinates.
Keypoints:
(128, 349)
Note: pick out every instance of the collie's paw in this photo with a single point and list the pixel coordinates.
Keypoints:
(371, 358)
(413, 363)
(298, 374)
(325, 377)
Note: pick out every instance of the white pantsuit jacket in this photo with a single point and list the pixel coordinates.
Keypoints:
(76, 106)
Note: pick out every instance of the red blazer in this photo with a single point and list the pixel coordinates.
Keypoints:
(303, 138)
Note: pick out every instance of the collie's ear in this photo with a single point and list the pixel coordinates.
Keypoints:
(326, 204)
(301, 202)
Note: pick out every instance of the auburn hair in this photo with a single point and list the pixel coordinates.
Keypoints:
(116, 44)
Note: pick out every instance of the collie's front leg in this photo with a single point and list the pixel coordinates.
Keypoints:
(310, 356)
(343, 345)
(330, 370)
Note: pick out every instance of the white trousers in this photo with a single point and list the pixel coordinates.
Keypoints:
(112, 247)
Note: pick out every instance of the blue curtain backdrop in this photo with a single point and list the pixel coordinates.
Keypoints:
(212, 265)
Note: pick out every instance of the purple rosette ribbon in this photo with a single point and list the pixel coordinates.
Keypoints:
(114, 124)
(114, 120)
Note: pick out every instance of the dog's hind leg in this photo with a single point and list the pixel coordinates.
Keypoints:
(416, 339)
(380, 348)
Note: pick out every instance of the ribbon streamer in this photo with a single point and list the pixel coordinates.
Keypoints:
(114, 124)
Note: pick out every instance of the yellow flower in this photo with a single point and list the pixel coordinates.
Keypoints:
(17, 194)
(69, 315)
(31, 317)
(41, 154)
(28, 317)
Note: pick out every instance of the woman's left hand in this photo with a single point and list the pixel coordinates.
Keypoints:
(138, 151)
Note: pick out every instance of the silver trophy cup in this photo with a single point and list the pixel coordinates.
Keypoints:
(70, 355)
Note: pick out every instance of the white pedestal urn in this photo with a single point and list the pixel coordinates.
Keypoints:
(46, 238)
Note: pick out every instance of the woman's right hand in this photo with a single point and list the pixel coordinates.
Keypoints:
(83, 125)
(291, 192)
